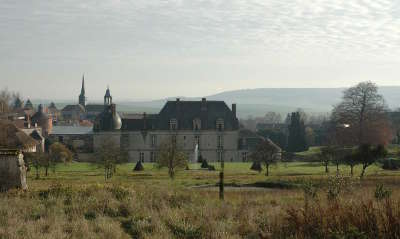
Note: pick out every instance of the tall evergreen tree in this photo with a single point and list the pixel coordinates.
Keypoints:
(297, 141)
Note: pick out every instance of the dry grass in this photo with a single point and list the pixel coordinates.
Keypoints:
(63, 208)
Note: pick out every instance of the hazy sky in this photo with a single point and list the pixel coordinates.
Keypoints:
(153, 49)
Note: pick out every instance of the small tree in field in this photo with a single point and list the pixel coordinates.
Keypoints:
(326, 156)
(368, 155)
(172, 157)
(35, 160)
(58, 153)
(266, 152)
(351, 160)
(109, 155)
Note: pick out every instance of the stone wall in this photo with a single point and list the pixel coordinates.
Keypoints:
(12, 170)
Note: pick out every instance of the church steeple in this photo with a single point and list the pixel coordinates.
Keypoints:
(82, 97)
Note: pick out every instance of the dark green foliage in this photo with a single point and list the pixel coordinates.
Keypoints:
(391, 164)
(368, 155)
(256, 166)
(297, 141)
(204, 164)
(90, 215)
(138, 166)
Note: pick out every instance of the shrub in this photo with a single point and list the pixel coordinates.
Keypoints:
(138, 166)
(256, 166)
(204, 164)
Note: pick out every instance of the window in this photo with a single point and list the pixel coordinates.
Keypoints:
(173, 124)
(197, 124)
(141, 157)
(153, 140)
(220, 143)
(220, 124)
(244, 156)
(152, 157)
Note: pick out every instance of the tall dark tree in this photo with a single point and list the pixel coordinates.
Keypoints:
(361, 117)
(297, 141)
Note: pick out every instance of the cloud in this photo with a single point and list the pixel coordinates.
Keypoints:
(211, 35)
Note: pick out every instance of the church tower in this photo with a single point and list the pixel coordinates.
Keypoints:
(82, 97)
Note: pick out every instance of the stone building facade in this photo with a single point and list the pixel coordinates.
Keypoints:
(211, 126)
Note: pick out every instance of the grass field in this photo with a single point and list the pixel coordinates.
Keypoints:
(76, 202)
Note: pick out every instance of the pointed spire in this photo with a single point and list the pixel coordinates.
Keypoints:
(82, 97)
(83, 84)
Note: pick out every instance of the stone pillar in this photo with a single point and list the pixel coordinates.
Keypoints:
(12, 170)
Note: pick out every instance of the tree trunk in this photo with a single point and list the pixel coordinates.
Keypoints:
(337, 168)
(363, 171)
(267, 173)
(351, 170)
(47, 169)
(326, 168)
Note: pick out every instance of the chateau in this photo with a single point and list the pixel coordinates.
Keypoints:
(204, 128)
(210, 126)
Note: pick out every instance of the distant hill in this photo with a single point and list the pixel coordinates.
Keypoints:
(256, 102)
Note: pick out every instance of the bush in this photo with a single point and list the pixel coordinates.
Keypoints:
(256, 166)
(211, 168)
(204, 164)
(138, 166)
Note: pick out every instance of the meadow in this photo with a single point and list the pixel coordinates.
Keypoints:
(298, 200)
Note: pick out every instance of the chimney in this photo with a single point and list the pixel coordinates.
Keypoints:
(204, 104)
(234, 109)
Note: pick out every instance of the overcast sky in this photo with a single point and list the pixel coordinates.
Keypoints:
(146, 49)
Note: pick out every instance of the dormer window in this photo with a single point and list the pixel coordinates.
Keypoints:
(173, 124)
(196, 124)
(220, 124)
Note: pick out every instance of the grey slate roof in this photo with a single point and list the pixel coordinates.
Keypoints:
(77, 107)
(73, 130)
(95, 108)
(184, 112)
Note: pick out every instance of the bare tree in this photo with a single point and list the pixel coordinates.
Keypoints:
(8, 100)
(172, 157)
(268, 153)
(361, 117)
(109, 155)
(272, 118)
